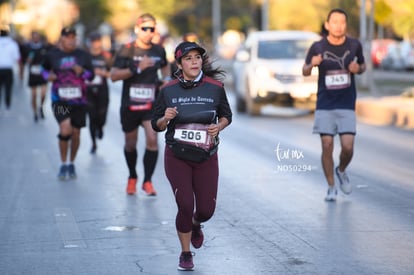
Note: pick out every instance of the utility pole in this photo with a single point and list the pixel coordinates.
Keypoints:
(11, 24)
(265, 15)
(363, 38)
(367, 79)
(363, 22)
(216, 17)
(371, 83)
(364, 42)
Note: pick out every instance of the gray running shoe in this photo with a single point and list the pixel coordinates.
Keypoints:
(331, 194)
(344, 183)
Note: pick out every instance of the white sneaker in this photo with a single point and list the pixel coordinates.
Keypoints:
(331, 194)
(344, 183)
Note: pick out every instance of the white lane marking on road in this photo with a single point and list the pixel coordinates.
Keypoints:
(68, 229)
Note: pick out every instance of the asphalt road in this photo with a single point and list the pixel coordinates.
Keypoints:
(270, 219)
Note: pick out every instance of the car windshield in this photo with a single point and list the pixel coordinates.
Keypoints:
(283, 49)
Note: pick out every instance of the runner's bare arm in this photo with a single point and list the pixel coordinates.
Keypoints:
(315, 61)
(170, 113)
(356, 68)
(120, 74)
(307, 69)
(214, 129)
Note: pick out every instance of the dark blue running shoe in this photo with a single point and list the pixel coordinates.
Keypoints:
(71, 171)
(63, 172)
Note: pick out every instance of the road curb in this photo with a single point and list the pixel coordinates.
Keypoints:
(387, 111)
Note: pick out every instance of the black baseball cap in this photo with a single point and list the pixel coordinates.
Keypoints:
(4, 30)
(95, 36)
(67, 31)
(185, 47)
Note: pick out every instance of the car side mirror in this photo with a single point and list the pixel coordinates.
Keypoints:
(242, 56)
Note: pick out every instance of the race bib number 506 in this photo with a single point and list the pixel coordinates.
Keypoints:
(194, 134)
(190, 135)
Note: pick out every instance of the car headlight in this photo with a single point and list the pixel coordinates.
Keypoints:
(263, 72)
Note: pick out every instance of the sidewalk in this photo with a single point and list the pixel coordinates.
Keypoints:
(387, 110)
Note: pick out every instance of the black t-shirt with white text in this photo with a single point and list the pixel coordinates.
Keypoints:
(141, 88)
(202, 104)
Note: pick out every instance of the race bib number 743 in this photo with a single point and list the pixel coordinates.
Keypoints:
(338, 79)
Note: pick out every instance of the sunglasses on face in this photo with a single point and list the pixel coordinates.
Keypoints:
(145, 29)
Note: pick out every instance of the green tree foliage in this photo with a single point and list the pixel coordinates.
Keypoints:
(240, 15)
(123, 15)
(92, 13)
(310, 15)
(192, 16)
(184, 16)
(297, 14)
(398, 14)
(195, 15)
(161, 9)
(383, 12)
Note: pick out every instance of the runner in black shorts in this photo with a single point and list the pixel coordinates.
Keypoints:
(98, 90)
(68, 68)
(338, 58)
(36, 51)
(137, 64)
(193, 109)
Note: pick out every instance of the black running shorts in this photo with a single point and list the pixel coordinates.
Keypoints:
(131, 120)
(76, 113)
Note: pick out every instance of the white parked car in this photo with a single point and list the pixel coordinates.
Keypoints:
(267, 70)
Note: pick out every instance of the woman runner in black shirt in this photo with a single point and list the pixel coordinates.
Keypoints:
(194, 109)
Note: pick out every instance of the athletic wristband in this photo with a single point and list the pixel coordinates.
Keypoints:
(45, 75)
(86, 75)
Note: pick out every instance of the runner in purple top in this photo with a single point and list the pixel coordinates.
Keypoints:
(68, 67)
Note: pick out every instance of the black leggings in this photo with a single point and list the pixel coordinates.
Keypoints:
(6, 80)
(194, 186)
(97, 111)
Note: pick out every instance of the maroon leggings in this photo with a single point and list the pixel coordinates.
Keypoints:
(194, 186)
